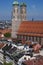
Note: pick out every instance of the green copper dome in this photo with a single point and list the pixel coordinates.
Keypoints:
(23, 4)
(15, 3)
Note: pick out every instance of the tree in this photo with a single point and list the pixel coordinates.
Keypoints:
(7, 35)
(5, 63)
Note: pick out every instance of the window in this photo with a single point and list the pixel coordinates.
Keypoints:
(14, 10)
(36, 38)
(26, 38)
(33, 39)
(13, 16)
(24, 58)
(29, 38)
(20, 36)
(23, 37)
(17, 36)
(39, 40)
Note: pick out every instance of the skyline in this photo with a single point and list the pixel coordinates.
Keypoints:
(34, 9)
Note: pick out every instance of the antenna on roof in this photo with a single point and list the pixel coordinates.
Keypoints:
(32, 19)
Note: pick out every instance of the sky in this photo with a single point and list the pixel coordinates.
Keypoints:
(34, 9)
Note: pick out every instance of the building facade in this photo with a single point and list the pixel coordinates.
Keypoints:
(22, 29)
(31, 31)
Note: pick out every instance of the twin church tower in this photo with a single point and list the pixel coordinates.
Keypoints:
(18, 15)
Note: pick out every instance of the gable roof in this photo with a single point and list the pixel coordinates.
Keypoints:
(31, 27)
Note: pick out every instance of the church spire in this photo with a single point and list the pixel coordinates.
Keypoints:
(15, 2)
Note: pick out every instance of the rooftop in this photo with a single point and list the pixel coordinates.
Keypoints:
(35, 28)
(37, 61)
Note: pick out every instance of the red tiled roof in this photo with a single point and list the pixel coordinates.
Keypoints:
(38, 61)
(34, 28)
(3, 31)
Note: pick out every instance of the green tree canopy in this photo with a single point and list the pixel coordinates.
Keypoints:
(7, 35)
(5, 63)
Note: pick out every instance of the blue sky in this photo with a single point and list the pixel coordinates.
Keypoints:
(34, 9)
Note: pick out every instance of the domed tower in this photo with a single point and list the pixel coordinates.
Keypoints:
(23, 11)
(15, 18)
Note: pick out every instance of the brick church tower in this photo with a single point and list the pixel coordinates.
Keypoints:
(23, 11)
(18, 15)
